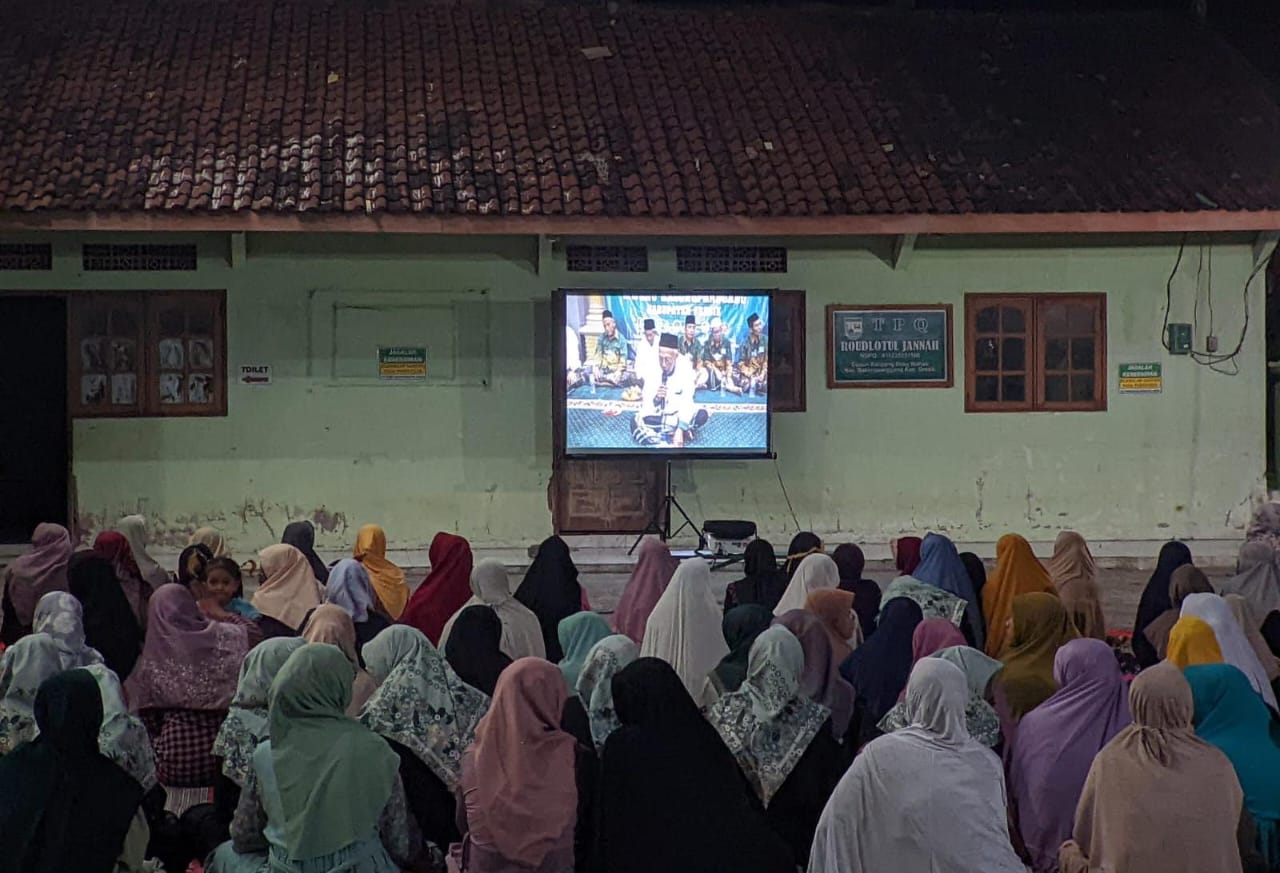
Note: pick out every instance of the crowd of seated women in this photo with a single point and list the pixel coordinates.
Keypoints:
(954, 721)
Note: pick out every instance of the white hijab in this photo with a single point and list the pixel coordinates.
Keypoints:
(684, 627)
(521, 633)
(927, 797)
(134, 529)
(1236, 651)
(815, 572)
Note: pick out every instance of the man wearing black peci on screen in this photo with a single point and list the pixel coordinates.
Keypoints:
(667, 415)
(753, 358)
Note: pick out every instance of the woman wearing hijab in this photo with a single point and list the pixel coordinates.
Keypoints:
(212, 540)
(323, 793)
(1257, 580)
(930, 636)
(302, 536)
(941, 567)
(1231, 718)
(1041, 627)
(1017, 572)
(980, 716)
(246, 723)
(740, 627)
(123, 737)
(63, 804)
(134, 529)
(113, 546)
(288, 591)
(578, 635)
(1264, 527)
(802, 546)
(1057, 743)
(821, 681)
(595, 684)
(526, 785)
(684, 628)
(1155, 599)
(781, 739)
(763, 583)
(906, 554)
(416, 689)
(551, 592)
(1075, 575)
(1248, 620)
(834, 608)
(650, 578)
(349, 587)
(933, 602)
(878, 669)
(672, 797)
(60, 615)
(474, 648)
(850, 562)
(927, 797)
(444, 591)
(388, 579)
(814, 573)
(977, 571)
(1232, 642)
(31, 576)
(24, 666)
(1157, 764)
(182, 687)
(1186, 580)
(109, 624)
(1192, 642)
(331, 624)
(491, 587)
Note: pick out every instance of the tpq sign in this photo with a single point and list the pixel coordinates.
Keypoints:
(889, 346)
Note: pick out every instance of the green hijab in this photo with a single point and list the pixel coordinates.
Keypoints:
(334, 774)
(578, 635)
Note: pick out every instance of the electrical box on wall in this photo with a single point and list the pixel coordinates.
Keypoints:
(1179, 339)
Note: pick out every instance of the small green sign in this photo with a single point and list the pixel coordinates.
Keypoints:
(1141, 378)
(889, 346)
(402, 363)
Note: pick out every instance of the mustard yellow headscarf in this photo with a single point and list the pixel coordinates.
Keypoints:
(387, 578)
(1018, 571)
(1192, 642)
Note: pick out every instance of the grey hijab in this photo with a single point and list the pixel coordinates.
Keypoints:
(595, 683)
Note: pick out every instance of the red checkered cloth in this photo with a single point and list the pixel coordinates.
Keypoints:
(183, 743)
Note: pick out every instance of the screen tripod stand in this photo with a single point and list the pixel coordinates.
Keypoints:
(660, 524)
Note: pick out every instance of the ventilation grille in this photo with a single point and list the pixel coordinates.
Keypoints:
(607, 259)
(26, 256)
(731, 259)
(148, 258)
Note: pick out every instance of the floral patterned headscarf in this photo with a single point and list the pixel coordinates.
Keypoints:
(60, 615)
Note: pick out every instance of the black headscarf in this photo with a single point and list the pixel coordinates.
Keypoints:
(802, 546)
(672, 796)
(764, 582)
(63, 806)
(866, 593)
(740, 626)
(878, 669)
(977, 572)
(109, 623)
(472, 648)
(550, 590)
(302, 536)
(1155, 599)
(193, 564)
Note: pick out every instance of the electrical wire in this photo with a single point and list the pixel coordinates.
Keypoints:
(1168, 295)
(1216, 362)
(787, 497)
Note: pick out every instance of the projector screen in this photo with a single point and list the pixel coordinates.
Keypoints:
(679, 373)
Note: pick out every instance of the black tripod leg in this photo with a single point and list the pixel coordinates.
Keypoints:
(688, 522)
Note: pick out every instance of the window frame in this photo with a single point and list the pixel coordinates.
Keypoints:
(1033, 306)
(146, 306)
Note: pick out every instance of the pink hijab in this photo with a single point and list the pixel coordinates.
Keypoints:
(654, 568)
(518, 777)
(930, 637)
(188, 661)
(39, 571)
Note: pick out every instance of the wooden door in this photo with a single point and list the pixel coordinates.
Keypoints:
(608, 495)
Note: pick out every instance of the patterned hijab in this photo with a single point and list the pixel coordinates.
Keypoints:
(39, 571)
(289, 589)
(60, 615)
(740, 627)
(24, 666)
(1018, 571)
(246, 723)
(387, 578)
(595, 683)
(941, 567)
(578, 635)
(123, 737)
(768, 723)
(1257, 578)
(421, 703)
(933, 602)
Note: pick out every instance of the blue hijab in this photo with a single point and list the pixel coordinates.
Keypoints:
(941, 567)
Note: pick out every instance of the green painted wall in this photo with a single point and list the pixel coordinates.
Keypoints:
(476, 457)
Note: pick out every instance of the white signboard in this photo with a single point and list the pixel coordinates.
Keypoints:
(255, 374)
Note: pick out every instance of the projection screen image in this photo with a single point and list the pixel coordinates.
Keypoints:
(675, 372)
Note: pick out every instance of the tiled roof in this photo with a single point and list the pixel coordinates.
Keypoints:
(401, 107)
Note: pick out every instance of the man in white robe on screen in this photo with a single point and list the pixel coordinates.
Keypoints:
(668, 416)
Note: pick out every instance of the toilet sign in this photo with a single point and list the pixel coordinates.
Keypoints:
(255, 374)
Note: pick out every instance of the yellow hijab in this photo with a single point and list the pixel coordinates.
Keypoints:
(1192, 642)
(1017, 571)
(1041, 626)
(387, 578)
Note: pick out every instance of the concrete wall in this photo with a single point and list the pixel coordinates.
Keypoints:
(471, 450)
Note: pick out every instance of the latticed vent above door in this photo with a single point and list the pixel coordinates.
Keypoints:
(26, 256)
(147, 257)
(731, 259)
(607, 259)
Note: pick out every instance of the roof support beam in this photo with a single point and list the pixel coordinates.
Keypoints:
(238, 251)
(904, 246)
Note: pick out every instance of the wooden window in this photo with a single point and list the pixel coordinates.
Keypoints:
(1035, 352)
(148, 354)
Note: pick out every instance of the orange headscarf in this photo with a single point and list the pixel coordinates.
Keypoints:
(387, 578)
(1017, 571)
(834, 608)
(1193, 642)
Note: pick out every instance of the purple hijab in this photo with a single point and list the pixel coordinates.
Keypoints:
(821, 680)
(654, 568)
(39, 571)
(1056, 744)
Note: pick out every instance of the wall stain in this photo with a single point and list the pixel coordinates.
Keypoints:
(329, 522)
